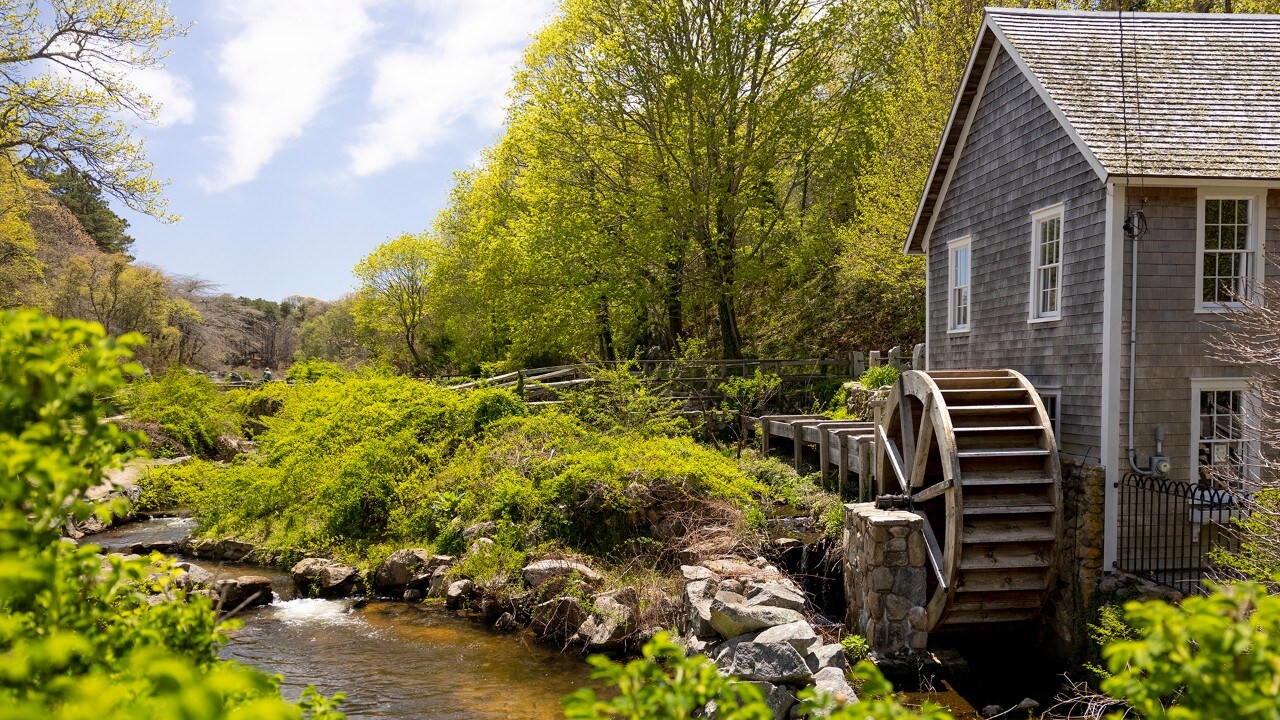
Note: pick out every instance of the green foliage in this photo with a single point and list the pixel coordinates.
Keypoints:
(879, 376)
(618, 398)
(1110, 628)
(1209, 657)
(1258, 555)
(166, 487)
(186, 406)
(254, 405)
(743, 397)
(311, 370)
(79, 637)
(664, 683)
(855, 648)
(493, 568)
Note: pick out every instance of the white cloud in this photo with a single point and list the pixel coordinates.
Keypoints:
(283, 64)
(172, 92)
(461, 72)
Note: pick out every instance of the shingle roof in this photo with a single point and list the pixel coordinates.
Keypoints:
(1201, 92)
(1200, 95)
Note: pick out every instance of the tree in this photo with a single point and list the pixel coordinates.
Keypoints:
(65, 70)
(85, 201)
(394, 293)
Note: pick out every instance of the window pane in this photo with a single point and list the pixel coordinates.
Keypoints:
(1211, 241)
(1212, 211)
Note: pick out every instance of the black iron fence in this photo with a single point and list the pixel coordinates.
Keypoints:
(1170, 531)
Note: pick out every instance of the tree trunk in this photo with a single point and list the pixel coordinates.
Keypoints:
(606, 334)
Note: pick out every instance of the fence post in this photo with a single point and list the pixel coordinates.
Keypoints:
(895, 357)
(918, 361)
(875, 359)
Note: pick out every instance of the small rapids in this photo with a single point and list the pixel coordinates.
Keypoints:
(407, 661)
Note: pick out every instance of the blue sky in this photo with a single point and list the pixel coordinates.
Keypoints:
(299, 134)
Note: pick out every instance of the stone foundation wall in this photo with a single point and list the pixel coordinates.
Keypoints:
(885, 577)
(1079, 560)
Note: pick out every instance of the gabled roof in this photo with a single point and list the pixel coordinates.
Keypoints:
(1199, 96)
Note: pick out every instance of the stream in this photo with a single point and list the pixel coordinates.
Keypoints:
(391, 659)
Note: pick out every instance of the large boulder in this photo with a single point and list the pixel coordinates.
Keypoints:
(320, 577)
(436, 586)
(612, 620)
(402, 565)
(193, 577)
(459, 593)
(241, 593)
(779, 698)
(558, 616)
(478, 530)
(775, 594)
(799, 635)
(826, 656)
(537, 573)
(734, 619)
(743, 570)
(697, 605)
(776, 663)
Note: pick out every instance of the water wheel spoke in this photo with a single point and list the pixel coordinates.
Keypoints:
(923, 444)
(906, 422)
(935, 552)
(895, 460)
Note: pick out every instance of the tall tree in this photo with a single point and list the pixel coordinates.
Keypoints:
(65, 68)
(85, 201)
(394, 291)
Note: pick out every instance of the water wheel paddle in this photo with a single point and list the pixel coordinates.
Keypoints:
(974, 452)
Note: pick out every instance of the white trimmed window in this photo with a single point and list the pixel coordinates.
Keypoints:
(1046, 264)
(1225, 442)
(1228, 252)
(1051, 398)
(959, 266)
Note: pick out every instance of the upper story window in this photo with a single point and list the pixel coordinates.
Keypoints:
(959, 271)
(1229, 260)
(1046, 264)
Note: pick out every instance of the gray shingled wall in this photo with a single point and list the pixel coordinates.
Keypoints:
(1018, 159)
(1174, 342)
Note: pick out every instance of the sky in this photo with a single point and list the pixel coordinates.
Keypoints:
(299, 134)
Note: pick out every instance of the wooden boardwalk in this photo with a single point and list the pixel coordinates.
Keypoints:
(847, 446)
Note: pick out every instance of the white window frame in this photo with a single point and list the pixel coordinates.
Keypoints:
(1039, 217)
(1256, 252)
(1250, 407)
(1055, 418)
(953, 247)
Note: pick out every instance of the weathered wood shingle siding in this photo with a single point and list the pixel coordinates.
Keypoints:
(1018, 159)
(1175, 344)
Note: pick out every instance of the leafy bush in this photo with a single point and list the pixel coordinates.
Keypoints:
(1209, 657)
(1110, 628)
(747, 396)
(879, 376)
(79, 638)
(253, 405)
(855, 648)
(619, 399)
(305, 371)
(186, 406)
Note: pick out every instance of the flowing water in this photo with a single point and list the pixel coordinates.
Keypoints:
(391, 659)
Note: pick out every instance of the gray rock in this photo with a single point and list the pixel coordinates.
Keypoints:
(400, 567)
(723, 653)
(193, 577)
(459, 592)
(411, 594)
(479, 529)
(992, 710)
(535, 574)
(1028, 704)
(831, 682)
(506, 622)
(827, 656)
(799, 634)
(777, 663)
(436, 586)
(725, 596)
(612, 621)
(697, 572)
(697, 603)
(732, 586)
(734, 619)
(558, 616)
(323, 578)
(739, 568)
(774, 594)
(244, 592)
(779, 699)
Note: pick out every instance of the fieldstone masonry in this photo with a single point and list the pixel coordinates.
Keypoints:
(885, 577)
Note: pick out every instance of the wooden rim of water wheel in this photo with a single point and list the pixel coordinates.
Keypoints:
(973, 453)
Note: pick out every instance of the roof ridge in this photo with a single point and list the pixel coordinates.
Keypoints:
(1132, 14)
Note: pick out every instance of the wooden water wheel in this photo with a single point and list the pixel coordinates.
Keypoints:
(974, 452)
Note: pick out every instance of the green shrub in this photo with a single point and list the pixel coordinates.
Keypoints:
(619, 399)
(77, 638)
(254, 405)
(166, 487)
(186, 406)
(855, 647)
(306, 371)
(1209, 657)
(744, 397)
(879, 376)
(1110, 628)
